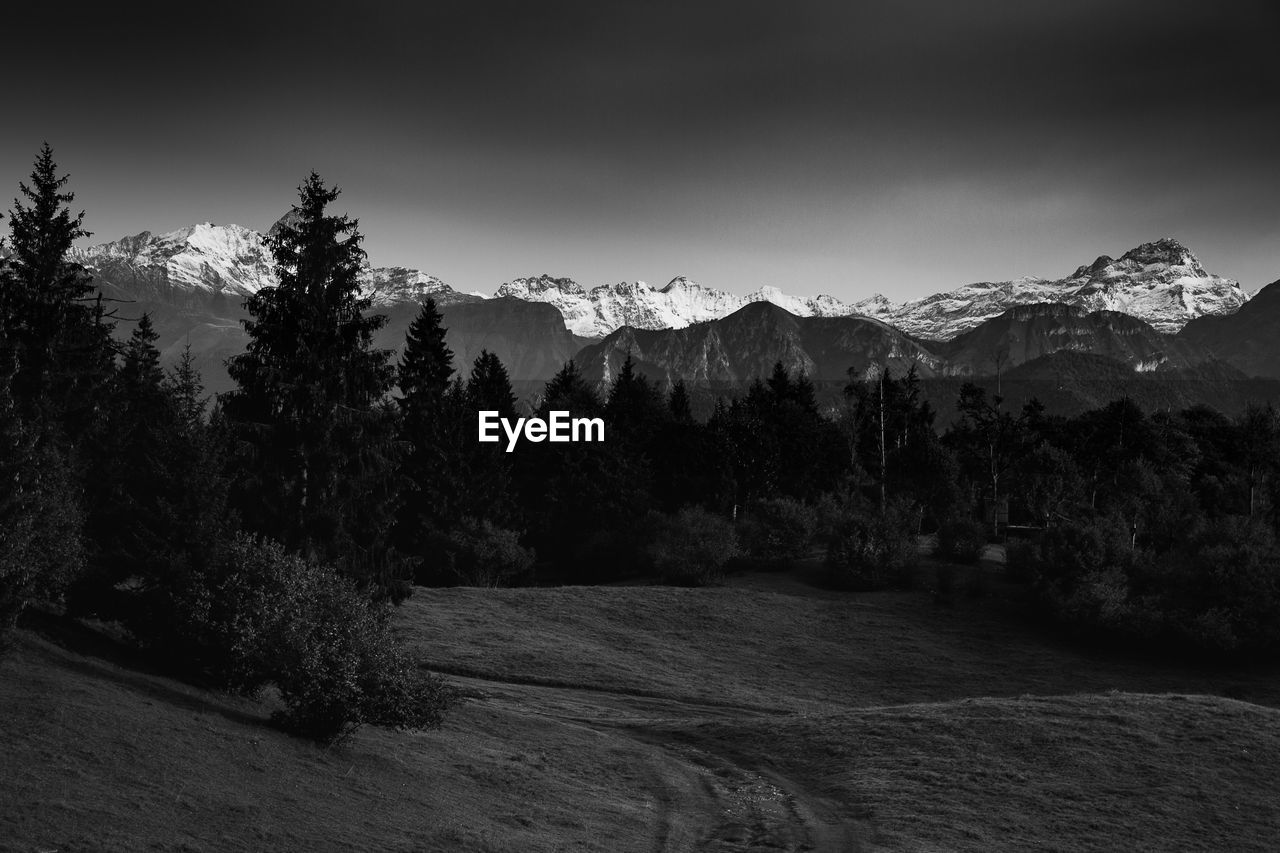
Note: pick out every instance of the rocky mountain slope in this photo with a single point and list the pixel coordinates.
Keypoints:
(599, 311)
(747, 343)
(1162, 283)
(1028, 332)
(209, 265)
(1248, 339)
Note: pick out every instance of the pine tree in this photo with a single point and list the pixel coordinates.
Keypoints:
(427, 363)
(63, 344)
(489, 387)
(678, 403)
(568, 391)
(321, 469)
(634, 405)
(431, 425)
(125, 479)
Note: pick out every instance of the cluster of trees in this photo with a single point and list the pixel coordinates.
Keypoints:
(247, 545)
(1153, 528)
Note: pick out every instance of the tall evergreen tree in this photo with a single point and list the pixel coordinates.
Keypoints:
(63, 343)
(569, 391)
(678, 403)
(427, 364)
(489, 387)
(634, 405)
(322, 454)
(126, 473)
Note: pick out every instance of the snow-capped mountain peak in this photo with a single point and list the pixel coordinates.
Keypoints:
(1161, 282)
(207, 259)
(680, 303)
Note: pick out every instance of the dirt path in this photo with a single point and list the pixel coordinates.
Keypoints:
(701, 799)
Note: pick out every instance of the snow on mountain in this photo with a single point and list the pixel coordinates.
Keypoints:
(1162, 283)
(230, 259)
(396, 285)
(682, 302)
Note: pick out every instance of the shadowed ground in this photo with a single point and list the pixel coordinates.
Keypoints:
(765, 715)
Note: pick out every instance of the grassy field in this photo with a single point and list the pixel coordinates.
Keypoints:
(764, 715)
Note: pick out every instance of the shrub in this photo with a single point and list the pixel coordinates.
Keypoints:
(962, 539)
(872, 549)
(777, 531)
(692, 547)
(279, 619)
(1021, 559)
(478, 553)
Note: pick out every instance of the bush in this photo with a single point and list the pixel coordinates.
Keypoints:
(873, 549)
(279, 619)
(692, 547)
(1021, 559)
(777, 531)
(962, 539)
(478, 553)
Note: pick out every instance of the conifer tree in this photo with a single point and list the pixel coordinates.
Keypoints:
(427, 364)
(63, 344)
(569, 391)
(489, 387)
(678, 403)
(634, 406)
(320, 474)
(431, 425)
(125, 478)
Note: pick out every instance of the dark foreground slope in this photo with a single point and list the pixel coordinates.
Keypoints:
(648, 719)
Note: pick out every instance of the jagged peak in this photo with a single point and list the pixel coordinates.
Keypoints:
(539, 284)
(679, 282)
(289, 220)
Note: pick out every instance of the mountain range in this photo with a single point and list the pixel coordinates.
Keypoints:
(1162, 283)
(1153, 309)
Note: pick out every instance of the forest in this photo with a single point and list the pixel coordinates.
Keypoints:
(263, 538)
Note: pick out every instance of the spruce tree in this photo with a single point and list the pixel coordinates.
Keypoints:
(427, 364)
(569, 391)
(63, 344)
(321, 467)
(489, 387)
(431, 425)
(125, 479)
(678, 403)
(634, 405)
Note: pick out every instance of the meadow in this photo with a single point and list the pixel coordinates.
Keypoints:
(765, 714)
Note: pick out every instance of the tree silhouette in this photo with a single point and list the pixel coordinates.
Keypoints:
(320, 472)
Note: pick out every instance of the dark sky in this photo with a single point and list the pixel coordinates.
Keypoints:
(843, 147)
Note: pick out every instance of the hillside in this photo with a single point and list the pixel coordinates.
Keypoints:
(1247, 338)
(1028, 332)
(747, 343)
(645, 718)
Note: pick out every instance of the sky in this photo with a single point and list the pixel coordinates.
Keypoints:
(846, 148)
